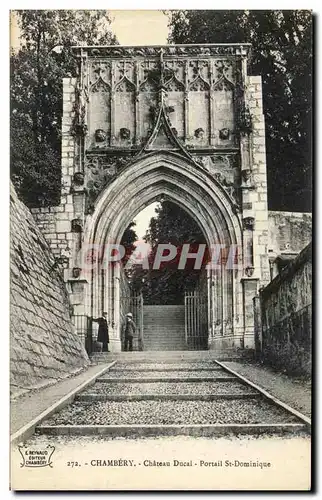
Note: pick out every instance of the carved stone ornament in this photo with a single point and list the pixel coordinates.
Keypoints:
(79, 129)
(247, 177)
(77, 226)
(174, 130)
(101, 170)
(227, 164)
(76, 272)
(221, 168)
(199, 133)
(171, 50)
(78, 178)
(169, 109)
(100, 135)
(249, 271)
(224, 134)
(153, 113)
(249, 223)
(244, 119)
(79, 126)
(125, 133)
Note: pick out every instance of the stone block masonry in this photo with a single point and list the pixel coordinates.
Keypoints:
(289, 231)
(55, 222)
(285, 316)
(43, 345)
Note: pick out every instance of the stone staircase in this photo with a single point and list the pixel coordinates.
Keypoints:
(164, 328)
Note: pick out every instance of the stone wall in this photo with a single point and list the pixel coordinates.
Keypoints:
(43, 345)
(284, 339)
(254, 206)
(289, 231)
(56, 222)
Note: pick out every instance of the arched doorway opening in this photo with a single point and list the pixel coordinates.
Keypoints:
(164, 279)
(168, 175)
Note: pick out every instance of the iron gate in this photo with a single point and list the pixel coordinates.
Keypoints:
(196, 320)
(133, 302)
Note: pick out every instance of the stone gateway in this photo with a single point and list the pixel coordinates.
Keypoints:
(181, 122)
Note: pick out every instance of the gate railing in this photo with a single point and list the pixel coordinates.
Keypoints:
(196, 320)
(134, 303)
(137, 311)
(83, 326)
(131, 301)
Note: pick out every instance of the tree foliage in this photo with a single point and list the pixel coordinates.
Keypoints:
(167, 284)
(128, 239)
(282, 55)
(37, 69)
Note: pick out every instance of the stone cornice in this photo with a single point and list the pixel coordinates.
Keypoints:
(186, 50)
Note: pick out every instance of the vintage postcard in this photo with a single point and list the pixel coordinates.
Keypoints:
(161, 268)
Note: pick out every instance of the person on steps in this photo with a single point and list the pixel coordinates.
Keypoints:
(129, 331)
(102, 335)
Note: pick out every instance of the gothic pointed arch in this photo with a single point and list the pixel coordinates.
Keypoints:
(142, 182)
(174, 85)
(199, 84)
(149, 85)
(100, 86)
(125, 85)
(224, 84)
(163, 135)
(151, 175)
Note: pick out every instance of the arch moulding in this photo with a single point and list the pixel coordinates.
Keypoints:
(185, 183)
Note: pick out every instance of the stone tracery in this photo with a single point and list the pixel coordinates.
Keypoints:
(168, 121)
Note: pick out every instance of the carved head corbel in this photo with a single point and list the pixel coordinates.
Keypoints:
(249, 271)
(125, 133)
(224, 134)
(169, 109)
(100, 135)
(78, 178)
(76, 271)
(246, 175)
(199, 133)
(249, 223)
(76, 226)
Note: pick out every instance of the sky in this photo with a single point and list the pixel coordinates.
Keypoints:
(140, 27)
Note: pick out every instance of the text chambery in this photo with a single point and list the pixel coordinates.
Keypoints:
(180, 463)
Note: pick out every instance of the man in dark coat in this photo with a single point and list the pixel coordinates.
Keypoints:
(129, 331)
(102, 335)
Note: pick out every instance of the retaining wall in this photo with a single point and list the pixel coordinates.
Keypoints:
(43, 345)
(284, 332)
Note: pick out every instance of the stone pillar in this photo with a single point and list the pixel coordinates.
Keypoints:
(258, 326)
(258, 198)
(115, 335)
(250, 286)
(254, 201)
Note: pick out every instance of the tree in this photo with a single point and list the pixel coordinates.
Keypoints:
(282, 55)
(37, 70)
(128, 239)
(167, 284)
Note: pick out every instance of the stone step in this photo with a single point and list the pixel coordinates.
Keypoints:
(163, 321)
(156, 326)
(167, 333)
(172, 356)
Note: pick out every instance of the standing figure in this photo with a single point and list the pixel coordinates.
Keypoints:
(102, 335)
(129, 331)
